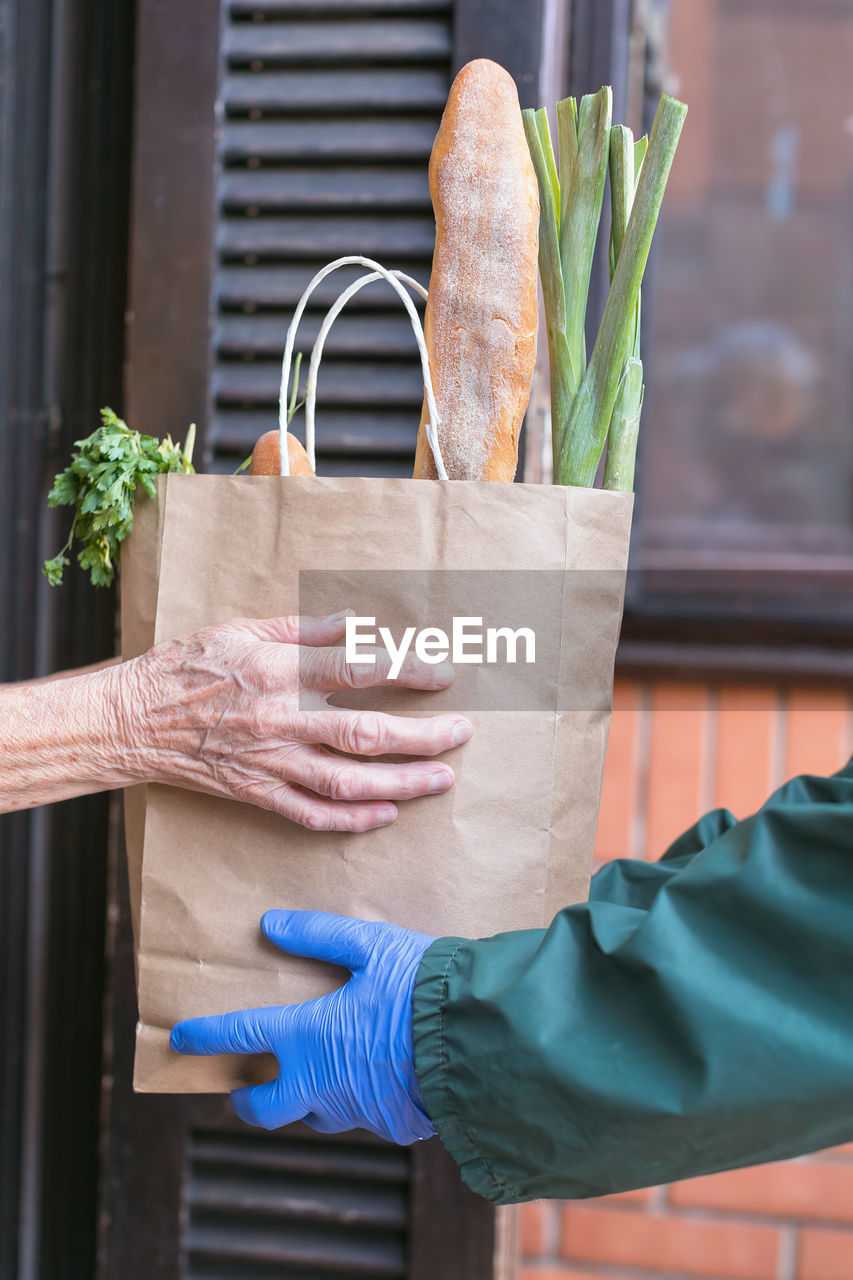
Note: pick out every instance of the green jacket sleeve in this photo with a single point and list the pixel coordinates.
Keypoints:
(631, 883)
(701, 1026)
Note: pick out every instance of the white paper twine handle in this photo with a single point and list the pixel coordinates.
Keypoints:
(377, 272)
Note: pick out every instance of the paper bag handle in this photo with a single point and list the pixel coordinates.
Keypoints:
(377, 272)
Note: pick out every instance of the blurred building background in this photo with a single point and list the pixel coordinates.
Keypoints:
(752, 389)
(171, 175)
(743, 548)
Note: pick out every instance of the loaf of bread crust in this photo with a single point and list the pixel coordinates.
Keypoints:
(266, 457)
(482, 311)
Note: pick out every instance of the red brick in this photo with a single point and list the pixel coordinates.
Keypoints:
(844, 1152)
(679, 741)
(825, 1255)
(617, 814)
(816, 731)
(573, 1274)
(696, 1247)
(746, 727)
(641, 1196)
(533, 1228)
(550, 1272)
(799, 1189)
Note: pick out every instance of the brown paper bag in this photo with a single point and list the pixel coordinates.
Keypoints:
(139, 583)
(506, 848)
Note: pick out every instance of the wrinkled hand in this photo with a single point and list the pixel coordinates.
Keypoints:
(346, 1060)
(240, 710)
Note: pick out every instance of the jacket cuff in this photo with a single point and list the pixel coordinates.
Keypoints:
(433, 1067)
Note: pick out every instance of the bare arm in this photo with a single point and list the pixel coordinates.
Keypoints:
(238, 710)
(61, 738)
(78, 671)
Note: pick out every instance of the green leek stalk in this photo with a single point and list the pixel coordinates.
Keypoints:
(592, 411)
(189, 447)
(583, 172)
(626, 158)
(565, 379)
(570, 214)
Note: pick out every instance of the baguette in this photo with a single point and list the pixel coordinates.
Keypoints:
(266, 457)
(482, 311)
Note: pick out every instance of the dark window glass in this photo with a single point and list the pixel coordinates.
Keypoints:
(747, 455)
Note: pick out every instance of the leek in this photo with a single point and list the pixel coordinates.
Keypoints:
(600, 402)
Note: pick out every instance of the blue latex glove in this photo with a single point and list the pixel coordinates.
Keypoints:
(346, 1060)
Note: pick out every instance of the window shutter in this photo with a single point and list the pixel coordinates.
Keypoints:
(326, 111)
(260, 1206)
(327, 127)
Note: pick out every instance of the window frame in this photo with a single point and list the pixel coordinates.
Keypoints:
(667, 635)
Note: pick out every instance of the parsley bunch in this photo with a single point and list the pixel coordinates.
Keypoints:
(101, 485)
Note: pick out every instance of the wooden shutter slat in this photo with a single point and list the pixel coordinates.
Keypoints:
(360, 1253)
(266, 9)
(350, 336)
(327, 131)
(349, 1155)
(328, 237)
(366, 432)
(281, 287)
(341, 383)
(302, 1199)
(330, 1208)
(272, 190)
(338, 42)
(328, 139)
(301, 92)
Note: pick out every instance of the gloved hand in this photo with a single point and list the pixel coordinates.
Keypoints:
(346, 1060)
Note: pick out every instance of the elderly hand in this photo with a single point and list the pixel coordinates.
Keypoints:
(237, 710)
(346, 1061)
(240, 710)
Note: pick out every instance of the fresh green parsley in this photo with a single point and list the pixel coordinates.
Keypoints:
(101, 484)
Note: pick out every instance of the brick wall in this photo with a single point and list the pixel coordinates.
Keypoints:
(677, 750)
